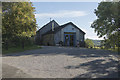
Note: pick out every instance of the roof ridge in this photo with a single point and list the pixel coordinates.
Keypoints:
(47, 24)
(73, 25)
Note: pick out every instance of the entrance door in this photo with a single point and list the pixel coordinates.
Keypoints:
(66, 40)
(69, 39)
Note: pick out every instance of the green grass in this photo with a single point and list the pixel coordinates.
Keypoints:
(115, 50)
(97, 48)
(111, 49)
(19, 49)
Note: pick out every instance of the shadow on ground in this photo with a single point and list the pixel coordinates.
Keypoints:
(71, 51)
(97, 67)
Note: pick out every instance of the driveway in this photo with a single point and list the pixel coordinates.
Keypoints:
(61, 62)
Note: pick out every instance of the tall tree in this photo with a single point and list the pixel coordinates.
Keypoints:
(18, 19)
(108, 21)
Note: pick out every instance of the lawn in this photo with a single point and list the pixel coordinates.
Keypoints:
(19, 49)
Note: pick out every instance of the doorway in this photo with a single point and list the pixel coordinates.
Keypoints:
(69, 39)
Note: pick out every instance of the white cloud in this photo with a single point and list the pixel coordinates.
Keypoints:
(62, 14)
(91, 34)
(94, 37)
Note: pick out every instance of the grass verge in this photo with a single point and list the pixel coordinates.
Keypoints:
(19, 49)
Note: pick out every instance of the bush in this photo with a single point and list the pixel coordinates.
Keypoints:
(89, 43)
(18, 42)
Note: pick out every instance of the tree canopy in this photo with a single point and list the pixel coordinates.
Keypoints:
(108, 21)
(108, 18)
(18, 20)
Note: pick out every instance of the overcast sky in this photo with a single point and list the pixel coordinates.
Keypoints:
(80, 13)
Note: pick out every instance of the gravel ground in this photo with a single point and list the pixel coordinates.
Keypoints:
(63, 62)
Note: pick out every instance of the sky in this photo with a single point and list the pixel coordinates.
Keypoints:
(80, 13)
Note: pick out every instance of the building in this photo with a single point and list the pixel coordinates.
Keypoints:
(53, 34)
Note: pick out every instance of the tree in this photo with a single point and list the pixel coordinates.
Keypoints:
(18, 20)
(89, 43)
(0, 26)
(108, 22)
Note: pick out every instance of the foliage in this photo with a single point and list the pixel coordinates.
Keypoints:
(89, 43)
(108, 23)
(18, 21)
(108, 18)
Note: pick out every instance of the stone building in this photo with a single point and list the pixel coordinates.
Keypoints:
(53, 34)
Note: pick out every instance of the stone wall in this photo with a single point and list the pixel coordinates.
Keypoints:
(57, 37)
(43, 30)
(48, 39)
